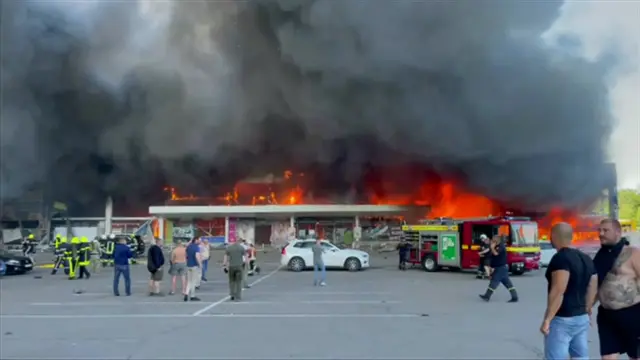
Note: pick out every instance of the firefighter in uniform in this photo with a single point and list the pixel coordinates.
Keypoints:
(133, 245)
(69, 261)
(500, 272)
(61, 245)
(73, 257)
(84, 259)
(29, 247)
(56, 244)
(108, 250)
(95, 255)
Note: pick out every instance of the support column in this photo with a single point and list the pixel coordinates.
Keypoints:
(226, 230)
(161, 229)
(108, 215)
(292, 229)
(357, 232)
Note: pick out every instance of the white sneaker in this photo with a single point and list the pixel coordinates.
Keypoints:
(323, 283)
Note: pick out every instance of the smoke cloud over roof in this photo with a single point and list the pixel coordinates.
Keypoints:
(121, 98)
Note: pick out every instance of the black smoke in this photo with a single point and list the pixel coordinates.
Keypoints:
(122, 98)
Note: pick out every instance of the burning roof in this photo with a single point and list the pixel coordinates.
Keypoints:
(114, 98)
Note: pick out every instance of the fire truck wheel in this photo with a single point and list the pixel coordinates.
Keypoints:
(517, 272)
(429, 263)
(296, 264)
(352, 264)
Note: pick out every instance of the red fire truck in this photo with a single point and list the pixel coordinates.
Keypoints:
(454, 244)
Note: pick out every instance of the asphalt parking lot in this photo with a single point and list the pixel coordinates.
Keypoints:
(380, 313)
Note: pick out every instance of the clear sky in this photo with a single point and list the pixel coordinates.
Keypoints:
(603, 25)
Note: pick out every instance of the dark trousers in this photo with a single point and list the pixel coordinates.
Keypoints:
(59, 263)
(402, 261)
(501, 276)
(235, 282)
(82, 269)
(124, 271)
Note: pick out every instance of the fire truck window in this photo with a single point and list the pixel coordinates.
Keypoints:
(478, 230)
(503, 230)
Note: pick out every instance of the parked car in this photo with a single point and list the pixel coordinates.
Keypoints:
(15, 264)
(589, 248)
(297, 256)
(546, 253)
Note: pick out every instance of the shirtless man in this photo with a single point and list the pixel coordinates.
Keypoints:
(178, 267)
(618, 267)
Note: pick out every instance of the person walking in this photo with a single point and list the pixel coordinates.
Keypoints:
(500, 272)
(95, 255)
(319, 270)
(572, 285)
(245, 267)
(234, 263)
(178, 268)
(194, 264)
(121, 255)
(205, 252)
(155, 263)
(403, 248)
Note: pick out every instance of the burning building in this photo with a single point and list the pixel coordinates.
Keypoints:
(374, 102)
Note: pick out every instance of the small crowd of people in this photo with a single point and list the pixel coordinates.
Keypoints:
(189, 264)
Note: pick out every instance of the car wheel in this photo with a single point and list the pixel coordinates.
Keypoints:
(296, 264)
(429, 263)
(517, 272)
(352, 264)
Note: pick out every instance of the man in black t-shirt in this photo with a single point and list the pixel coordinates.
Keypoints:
(500, 274)
(572, 283)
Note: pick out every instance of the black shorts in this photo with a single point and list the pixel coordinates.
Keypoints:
(619, 331)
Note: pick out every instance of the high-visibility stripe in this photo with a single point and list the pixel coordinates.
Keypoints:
(530, 249)
(509, 249)
(430, 228)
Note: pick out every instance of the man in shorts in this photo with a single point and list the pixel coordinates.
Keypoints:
(618, 268)
(155, 263)
(178, 267)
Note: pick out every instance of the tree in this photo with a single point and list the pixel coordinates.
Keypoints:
(629, 202)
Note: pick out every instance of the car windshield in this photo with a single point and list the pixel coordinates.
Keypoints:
(327, 245)
(524, 233)
(545, 246)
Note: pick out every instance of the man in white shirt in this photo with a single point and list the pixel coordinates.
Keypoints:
(205, 253)
(245, 283)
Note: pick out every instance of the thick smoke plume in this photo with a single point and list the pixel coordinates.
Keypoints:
(121, 98)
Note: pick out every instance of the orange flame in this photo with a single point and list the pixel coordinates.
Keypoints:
(585, 228)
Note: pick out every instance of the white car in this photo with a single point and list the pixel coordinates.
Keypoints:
(546, 253)
(297, 256)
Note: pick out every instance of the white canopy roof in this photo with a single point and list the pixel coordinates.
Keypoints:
(176, 211)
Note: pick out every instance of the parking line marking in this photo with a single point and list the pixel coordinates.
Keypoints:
(94, 316)
(112, 303)
(214, 304)
(294, 316)
(260, 292)
(319, 302)
(166, 316)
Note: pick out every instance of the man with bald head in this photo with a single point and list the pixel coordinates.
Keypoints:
(572, 283)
